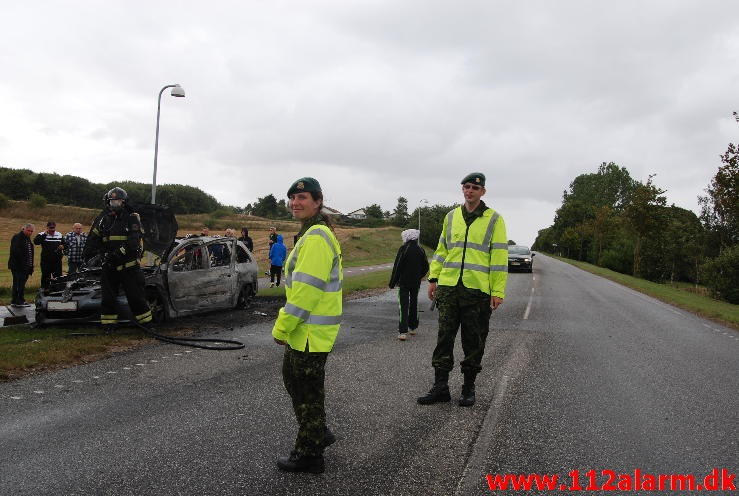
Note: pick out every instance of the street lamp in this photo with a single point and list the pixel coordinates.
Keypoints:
(178, 91)
(419, 211)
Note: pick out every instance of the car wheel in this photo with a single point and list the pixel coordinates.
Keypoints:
(158, 312)
(245, 296)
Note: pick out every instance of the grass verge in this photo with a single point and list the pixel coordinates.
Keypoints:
(352, 284)
(24, 349)
(681, 296)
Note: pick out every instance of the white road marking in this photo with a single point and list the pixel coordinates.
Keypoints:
(706, 325)
(141, 364)
(188, 351)
(111, 372)
(16, 397)
(58, 385)
(126, 368)
(154, 361)
(96, 377)
(77, 381)
(178, 354)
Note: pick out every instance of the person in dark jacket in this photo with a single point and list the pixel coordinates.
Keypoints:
(20, 263)
(411, 265)
(246, 239)
(277, 255)
(52, 250)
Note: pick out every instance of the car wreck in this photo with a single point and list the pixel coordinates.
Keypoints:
(186, 276)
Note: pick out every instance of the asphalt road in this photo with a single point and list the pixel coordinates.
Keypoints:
(580, 373)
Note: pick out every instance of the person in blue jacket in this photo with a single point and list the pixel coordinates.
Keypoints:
(277, 255)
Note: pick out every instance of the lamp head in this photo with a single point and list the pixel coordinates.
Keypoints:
(178, 90)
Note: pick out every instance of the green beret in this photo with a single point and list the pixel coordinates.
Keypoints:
(304, 184)
(475, 178)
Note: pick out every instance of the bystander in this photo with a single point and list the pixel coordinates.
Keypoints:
(74, 244)
(52, 246)
(20, 263)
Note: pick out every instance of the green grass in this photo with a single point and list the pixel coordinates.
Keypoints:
(351, 284)
(23, 348)
(682, 295)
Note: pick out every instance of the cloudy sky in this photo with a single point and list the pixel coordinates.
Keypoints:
(376, 99)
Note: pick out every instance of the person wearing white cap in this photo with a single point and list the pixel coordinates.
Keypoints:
(411, 266)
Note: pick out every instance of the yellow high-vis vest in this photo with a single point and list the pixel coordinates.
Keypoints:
(479, 252)
(313, 279)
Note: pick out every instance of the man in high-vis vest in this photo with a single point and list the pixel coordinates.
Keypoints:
(467, 279)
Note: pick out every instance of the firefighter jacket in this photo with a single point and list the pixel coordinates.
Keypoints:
(475, 254)
(117, 237)
(313, 278)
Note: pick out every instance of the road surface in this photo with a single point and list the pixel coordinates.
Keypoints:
(580, 373)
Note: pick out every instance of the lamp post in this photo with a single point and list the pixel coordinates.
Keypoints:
(178, 91)
(419, 211)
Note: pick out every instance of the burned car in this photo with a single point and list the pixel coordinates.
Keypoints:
(188, 276)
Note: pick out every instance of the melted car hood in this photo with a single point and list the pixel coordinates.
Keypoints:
(159, 227)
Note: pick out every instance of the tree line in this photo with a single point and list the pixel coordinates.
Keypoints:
(22, 184)
(612, 220)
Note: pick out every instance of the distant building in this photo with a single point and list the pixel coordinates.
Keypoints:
(357, 214)
(331, 212)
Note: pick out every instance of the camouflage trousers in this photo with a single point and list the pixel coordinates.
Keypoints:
(457, 308)
(303, 374)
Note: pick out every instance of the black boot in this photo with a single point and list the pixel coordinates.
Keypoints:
(298, 463)
(439, 391)
(468, 390)
(329, 438)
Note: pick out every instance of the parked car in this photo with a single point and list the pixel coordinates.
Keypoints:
(189, 275)
(520, 258)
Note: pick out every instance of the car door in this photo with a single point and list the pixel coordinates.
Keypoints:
(186, 268)
(218, 287)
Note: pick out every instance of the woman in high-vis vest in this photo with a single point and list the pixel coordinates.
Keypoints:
(308, 324)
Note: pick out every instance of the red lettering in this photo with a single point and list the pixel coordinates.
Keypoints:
(727, 480)
(624, 482)
(608, 486)
(650, 484)
(710, 482)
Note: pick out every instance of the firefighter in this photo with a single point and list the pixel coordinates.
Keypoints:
(308, 324)
(467, 279)
(116, 236)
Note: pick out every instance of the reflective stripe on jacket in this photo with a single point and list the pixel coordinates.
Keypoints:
(480, 250)
(313, 279)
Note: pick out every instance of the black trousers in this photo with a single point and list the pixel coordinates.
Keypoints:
(275, 271)
(19, 287)
(49, 269)
(132, 280)
(408, 300)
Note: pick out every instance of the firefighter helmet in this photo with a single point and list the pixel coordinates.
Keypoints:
(116, 198)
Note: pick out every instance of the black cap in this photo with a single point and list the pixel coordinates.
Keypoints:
(475, 178)
(304, 184)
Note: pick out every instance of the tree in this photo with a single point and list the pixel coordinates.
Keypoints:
(644, 216)
(37, 201)
(374, 211)
(267, 206)
(720, 208)
(400, 214)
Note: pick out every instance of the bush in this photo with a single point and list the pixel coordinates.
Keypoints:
(4, 201)
(220, 213)
(37, 201)
(721, 275)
